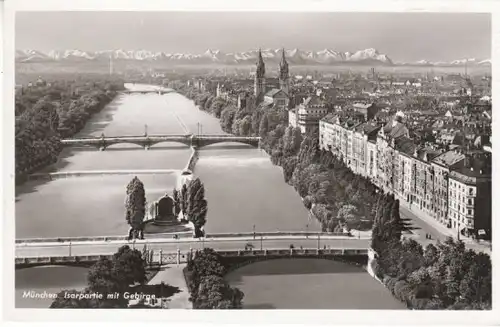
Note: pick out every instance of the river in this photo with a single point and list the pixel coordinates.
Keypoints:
(310, 284)
(243, 189)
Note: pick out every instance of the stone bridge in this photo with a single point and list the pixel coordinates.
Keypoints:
(232, 259)
(160, 92)
(147, 141)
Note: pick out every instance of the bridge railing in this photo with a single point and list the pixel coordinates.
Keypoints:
(293, 251)
(208, 236)
(60, 259)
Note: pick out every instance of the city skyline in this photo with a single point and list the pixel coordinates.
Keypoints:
(419, 36)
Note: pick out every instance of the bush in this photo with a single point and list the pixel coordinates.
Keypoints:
(423, 291)
(377, 270)
(307, 202)
(402, 291)
(390, 284)
(434, 304)
(419, 304)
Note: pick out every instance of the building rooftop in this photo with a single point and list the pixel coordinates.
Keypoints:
(273, 92)
(358, 105)
(470, 176)
(427, 153)
(367, 128)
(405, 145)
(395, 129)
(313, 101)
(449, 158)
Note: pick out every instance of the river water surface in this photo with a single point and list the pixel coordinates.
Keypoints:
(243, 189)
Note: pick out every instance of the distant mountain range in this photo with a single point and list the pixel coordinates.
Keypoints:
(294, 57)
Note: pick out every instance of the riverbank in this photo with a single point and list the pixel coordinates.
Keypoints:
(34, 154)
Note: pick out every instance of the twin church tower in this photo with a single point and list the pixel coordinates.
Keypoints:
(260, 78)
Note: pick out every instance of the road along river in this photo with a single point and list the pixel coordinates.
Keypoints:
(245, 192)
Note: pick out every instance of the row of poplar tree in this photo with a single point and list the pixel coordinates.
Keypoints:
(189, 203)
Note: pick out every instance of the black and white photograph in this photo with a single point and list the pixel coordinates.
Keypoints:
(242, 159)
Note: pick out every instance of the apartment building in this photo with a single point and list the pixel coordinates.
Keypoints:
(470, 194)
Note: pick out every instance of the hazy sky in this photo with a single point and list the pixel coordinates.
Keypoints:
(402, 36)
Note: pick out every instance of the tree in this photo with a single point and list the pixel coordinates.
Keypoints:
(196, 205)
(263, 126)
(226, 118)
(395, 224)
(348, 214)
(430, 255)
(292, 140)
(215, 293)
(177, 201)
(101, 277)
(183, 196)
(217, 106)
(135, 206)
(289, 165)
(106, 277)
(129, 266)
(206, 262)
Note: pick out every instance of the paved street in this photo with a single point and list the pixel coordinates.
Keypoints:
(437, 231)
(171, 246)
(173, 275)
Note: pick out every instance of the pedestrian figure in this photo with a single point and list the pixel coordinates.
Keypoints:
(324, 247)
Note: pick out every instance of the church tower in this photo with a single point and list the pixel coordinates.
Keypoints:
(260, 79)
(283, 74)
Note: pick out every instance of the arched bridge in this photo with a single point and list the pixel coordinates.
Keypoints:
(160, 92)
(238, 249)
(233, 259)
(147, 141)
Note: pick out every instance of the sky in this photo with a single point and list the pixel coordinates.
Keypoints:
(402, 36)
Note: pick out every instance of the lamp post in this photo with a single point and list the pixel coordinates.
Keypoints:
(318, 240)
(70, 248)
(307, 230)
(254, 231)
(146, 130)
(261, 242)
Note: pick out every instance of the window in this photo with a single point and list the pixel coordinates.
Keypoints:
(469, 211)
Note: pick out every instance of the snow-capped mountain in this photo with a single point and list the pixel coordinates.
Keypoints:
(369, 55)
(271, 56)
(30, 55)
(458, 62)
(463, 61)
(485, 62)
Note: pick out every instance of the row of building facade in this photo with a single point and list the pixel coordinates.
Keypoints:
(449, 185)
